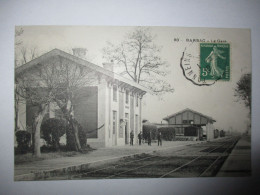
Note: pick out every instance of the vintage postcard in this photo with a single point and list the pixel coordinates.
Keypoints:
(103, 102)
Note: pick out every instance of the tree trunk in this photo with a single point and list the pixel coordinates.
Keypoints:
(57, 145)
(76, 134)
(68, 114)
(37, 133)
(74, 125)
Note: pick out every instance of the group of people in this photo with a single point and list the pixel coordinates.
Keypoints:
(149, 138)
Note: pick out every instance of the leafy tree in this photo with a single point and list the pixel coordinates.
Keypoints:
(243, 90)
(52, 129)
(23, 139)
(147, 128)
(168, 133)
(139, 59)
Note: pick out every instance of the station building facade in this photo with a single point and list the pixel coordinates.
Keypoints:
(188, 117)
(107, 110)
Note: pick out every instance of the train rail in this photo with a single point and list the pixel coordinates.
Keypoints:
(226, 146)
(142, 157)
(207, 171)
(199, 160)
(166, 163)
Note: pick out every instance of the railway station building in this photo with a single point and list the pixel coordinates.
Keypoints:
(184, 120)
(108, 109)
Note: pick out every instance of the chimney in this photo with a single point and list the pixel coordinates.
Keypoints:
(80, 52)
(109, 65)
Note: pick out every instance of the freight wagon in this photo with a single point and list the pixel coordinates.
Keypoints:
(222, 133)
(167, 133)
(216, 133)
(193, 132)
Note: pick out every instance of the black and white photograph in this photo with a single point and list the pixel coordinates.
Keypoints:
(129, 97)
(100, 102)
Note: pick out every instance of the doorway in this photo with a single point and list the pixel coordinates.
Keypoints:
(114, 133)
(126, 127)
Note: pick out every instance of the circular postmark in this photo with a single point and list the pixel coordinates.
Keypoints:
(204, 64)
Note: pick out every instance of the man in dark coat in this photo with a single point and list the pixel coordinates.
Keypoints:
(159, 136)
(149, 138)
(131, 138)
(140, 138)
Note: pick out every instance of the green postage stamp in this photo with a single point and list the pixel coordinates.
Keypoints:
(215, 61)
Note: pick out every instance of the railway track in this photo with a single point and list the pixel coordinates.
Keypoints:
(200, 160)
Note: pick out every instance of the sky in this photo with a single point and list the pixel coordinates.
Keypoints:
(217, 101)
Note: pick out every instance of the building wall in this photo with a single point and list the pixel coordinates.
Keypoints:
(179, 119)
(210, 131)
(121, 117)
(108, 111)
(101, 117)
(115, 108)
(203, 120)
(187, 115)
(132, 115)
(137, 126)
(122, 109)
(197, 120)
(86, 110)
(191, 116)
(97, 111)
(127, 118)
(121, 114)
(140, 115)
(22, 115)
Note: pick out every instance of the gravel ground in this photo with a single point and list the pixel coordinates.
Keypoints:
(158, 163)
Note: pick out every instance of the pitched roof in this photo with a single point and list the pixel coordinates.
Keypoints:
(57, 52)
(188, 109)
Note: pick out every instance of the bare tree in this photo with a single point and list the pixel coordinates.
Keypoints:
(243, 90)
(29, 89)
(24, 54)
(58, 81)
(140, 60)
(28, 53)
(68, 79)
(21, 57)
(33, 53)
(18, 33)
(18, 43)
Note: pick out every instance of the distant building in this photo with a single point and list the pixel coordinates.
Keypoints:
(187, 118)
(108, 110)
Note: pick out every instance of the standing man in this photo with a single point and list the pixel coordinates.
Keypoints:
(132, 138)
(140, 138)
(159, 136)
(149, 138)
